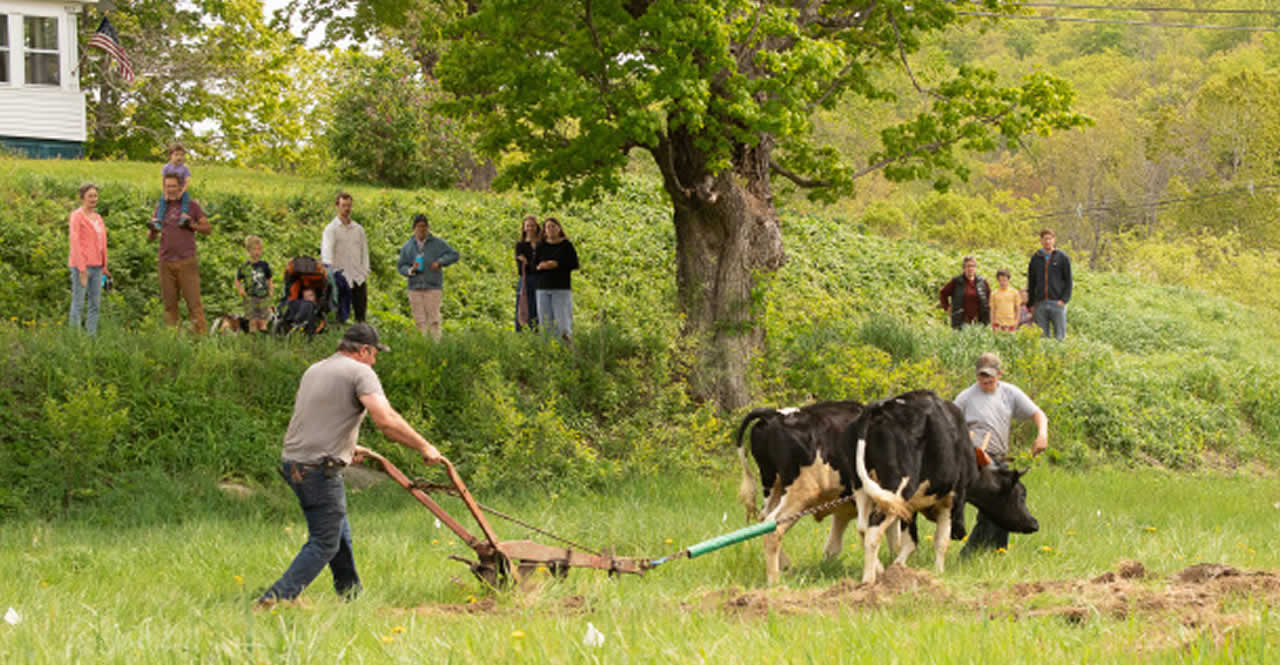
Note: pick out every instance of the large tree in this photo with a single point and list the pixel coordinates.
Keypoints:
(721, 94)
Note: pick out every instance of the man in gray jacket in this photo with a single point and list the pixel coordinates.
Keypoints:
(422, 259)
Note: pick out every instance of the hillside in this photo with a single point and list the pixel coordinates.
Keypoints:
(1150, 374)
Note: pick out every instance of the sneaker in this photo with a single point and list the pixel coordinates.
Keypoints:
(154, 225)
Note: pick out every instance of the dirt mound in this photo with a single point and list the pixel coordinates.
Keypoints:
(842, 595)
(1196, 597)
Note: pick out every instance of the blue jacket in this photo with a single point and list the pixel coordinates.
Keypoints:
(433, 250)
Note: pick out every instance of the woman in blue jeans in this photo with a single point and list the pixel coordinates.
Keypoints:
(87, 260)
(554, 259)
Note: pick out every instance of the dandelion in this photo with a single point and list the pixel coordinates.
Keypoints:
(435, 541)
(1149, 529)
(238, 579)
(471, 600)
(388, 639)
(542, 569)
(1002, 551)
(1252, 551)
(517, 634)
(668, 541)
(398, 629)
(1046, 549)
(929, 538)
(1071, 532)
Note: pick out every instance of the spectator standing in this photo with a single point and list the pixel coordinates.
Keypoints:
(967, 296)
(344, 249)
(422, 259)
(253, 282)
(1006, 303)
(332, 398)
(526, 292)
(87, 260)
(554, 259)
(177, 260)
(177, 165)
(1049, 285)
(989, 407)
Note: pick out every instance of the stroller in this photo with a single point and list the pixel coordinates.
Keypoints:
(307, 298)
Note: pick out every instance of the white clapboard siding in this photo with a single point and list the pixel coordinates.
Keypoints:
(42, 113)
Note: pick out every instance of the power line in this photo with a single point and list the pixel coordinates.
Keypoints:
(1157, 24)
(1181, 10)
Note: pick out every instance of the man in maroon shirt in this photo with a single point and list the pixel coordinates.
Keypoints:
(177, 262)
(967, 297)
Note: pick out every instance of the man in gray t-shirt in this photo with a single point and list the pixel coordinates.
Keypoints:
(989, 408)
(332, 398)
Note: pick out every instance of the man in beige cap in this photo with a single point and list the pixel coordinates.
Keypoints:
(332, 398)
(989, 407)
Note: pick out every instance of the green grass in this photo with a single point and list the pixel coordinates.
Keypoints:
(171, 579)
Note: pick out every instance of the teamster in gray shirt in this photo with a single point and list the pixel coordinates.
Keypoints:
(332, 398)
(989, 409)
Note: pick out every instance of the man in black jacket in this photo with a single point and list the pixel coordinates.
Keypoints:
(1049, 286)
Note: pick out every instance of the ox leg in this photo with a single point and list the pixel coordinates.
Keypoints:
(942, 539)
(871, 567)
(900, 541)
(835, 540)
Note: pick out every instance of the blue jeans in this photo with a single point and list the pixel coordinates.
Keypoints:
(555, 312)
(90, 295)
(163, 207)
(1050, 312)
(324, 503)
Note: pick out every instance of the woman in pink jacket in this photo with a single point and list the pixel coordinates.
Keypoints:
(88, 259)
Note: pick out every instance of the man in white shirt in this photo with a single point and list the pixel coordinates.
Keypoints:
(989, 408)
(344, 248)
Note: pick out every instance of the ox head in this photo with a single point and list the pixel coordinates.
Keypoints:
(1000, 494)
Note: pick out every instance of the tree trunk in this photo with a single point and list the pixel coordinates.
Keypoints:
(726, 232)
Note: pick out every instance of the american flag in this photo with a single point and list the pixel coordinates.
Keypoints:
(105, 38)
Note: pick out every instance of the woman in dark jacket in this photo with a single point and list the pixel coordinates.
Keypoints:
(967, 297)
(554, 259)
(526, 297)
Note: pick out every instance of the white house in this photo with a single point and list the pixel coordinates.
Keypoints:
(41, 105)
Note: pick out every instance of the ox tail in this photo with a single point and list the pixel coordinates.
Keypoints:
(747, 490)
(886, 502)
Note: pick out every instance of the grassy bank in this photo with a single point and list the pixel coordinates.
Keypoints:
(1149, 374)
(169, 579)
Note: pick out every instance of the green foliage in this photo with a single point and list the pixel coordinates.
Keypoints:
(1149, 374)
(384, 130)
(83, 429)
(212, 74)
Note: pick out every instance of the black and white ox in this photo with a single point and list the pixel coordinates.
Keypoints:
(809, 456)
(917, 444)
(803, 463)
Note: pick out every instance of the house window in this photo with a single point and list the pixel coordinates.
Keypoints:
(4, 48)
(41, 36)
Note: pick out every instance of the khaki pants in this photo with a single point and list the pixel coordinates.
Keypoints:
(425, 304)
(182, 277)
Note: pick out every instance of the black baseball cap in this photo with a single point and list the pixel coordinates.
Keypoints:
(363, 333)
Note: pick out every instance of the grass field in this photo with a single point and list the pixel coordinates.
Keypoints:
(166, 573)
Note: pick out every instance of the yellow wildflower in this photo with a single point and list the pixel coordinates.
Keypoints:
(1149, 529)
(668, 541)
(1002, 551)
(238, 579)
(517, 634)
(1046, 549)
(388, 639)
(398, 629)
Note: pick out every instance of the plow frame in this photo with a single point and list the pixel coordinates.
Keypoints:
(501, 562)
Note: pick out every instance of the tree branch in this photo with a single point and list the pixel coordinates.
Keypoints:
(796, 178)
(602, 79)
(902, 53)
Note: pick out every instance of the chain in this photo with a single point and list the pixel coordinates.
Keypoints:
(816, 509)
(450, 490)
